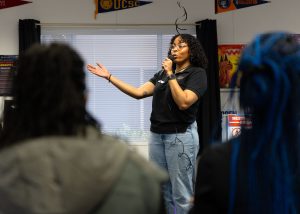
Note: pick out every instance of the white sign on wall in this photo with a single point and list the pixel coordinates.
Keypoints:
(233, 118)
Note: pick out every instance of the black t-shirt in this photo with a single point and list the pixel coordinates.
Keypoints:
(166, 117)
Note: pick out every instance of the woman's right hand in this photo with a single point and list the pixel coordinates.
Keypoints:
(99, 70)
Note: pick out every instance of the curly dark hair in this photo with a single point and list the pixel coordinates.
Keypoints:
(49, 94)
(197, 54)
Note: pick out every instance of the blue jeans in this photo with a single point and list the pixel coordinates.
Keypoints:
(176, 153)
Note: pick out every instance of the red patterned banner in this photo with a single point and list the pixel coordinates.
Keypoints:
(228, 61)
(12, 3)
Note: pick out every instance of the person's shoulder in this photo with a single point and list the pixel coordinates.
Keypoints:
(215, 149)
(138, 163)
(219, 150)
(143, 181)
(138, 188)
(92, 145)
(146, 168)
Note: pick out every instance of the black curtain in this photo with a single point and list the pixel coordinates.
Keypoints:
(29, 33)
(209, 114)
(8, 113)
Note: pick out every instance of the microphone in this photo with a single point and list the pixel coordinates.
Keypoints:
(171, 58)
(163, 70)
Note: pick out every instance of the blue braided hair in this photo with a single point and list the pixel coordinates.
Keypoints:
(269, 79)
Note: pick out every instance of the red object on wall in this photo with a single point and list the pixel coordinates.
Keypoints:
(12, 3)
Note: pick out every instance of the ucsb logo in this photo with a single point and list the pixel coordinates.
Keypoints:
(118, 4)
(112, 5)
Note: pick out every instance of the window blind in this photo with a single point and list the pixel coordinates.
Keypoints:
(132, 55)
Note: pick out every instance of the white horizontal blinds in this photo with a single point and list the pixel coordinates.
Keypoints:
(166, 44)
(133, 56)
(57, 37)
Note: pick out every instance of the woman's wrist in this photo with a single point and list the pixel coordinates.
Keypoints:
(169, 73)
(108, 77)
(171, 76)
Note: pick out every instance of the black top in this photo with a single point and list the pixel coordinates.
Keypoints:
(212, 189)
(166, 117)
(212, 183)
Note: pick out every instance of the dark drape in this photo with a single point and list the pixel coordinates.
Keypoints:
(29, 33)
(8, 113)
(209, 114)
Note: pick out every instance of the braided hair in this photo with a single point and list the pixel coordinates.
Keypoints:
(269, 68)
(49, 94)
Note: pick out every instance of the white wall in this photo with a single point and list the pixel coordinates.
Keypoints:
(241, 25)
(237, 26)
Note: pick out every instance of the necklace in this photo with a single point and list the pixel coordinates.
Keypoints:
(181, 70)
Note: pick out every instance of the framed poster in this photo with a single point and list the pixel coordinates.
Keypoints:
(235, 123)
(7, 68)
(228, 58)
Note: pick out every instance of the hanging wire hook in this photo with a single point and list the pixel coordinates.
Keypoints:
(184, 17)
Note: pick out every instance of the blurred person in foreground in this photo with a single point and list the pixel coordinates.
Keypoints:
(53, 157)
(258, 172)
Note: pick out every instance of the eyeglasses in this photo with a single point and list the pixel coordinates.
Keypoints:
(179, 46)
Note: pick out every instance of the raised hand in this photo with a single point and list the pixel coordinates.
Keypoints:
(98, 70)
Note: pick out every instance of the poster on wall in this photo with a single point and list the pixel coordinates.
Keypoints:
(104, 6)
(229, 5)
(228, 57)
(233, 117)
(235, 123)
(7, 68)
